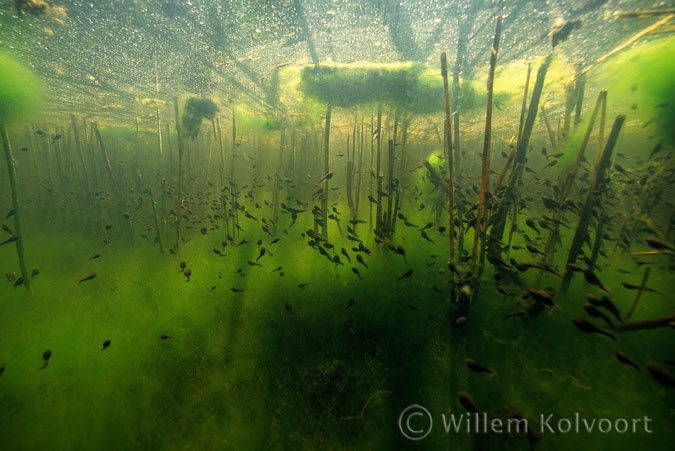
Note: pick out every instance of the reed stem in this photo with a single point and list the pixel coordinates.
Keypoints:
(479, 235)
(11, 169)
(449, 157)
(179, 208)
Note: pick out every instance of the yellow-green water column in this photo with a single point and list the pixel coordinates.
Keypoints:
(19, 97)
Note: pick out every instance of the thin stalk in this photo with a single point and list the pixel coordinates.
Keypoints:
(638, 294)
(349, 175)
(551, 133)
(276, 195)
(223, 198)
(509, 196)
(600, 169)
(156, 218)
(390, 191)
(11, 169)
(523, 107)
(179, 209)
(326, 169)
(359, 168)
(572, 174)
(650, 323)
(632, 39)
(378, 176)
(106, 160)
(479, 234)
(448, 150)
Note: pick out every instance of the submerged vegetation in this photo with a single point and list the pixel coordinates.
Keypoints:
(339, 241)
(194, 112)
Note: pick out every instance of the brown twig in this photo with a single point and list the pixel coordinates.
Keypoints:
(448, 145)
(639, 293)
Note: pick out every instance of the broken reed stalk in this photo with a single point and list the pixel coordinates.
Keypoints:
(160, 143)
(156, 218)
(276, 194)
(159, 121)
(11, 169)
(597, 187)
(219, 151)
(570, 98)
(378, 177)
(370, 179)
(632, 39)
(645, 277)
(601, 215)
(572, 175)
(601, 140)
(651, 323)
(350, 175)
(479, 229)
(551, 133)
(523, 107)
(80, 154)
(506, 167)
(390, 181)
(462, 44)
(362, 144)
(599, 232)
(509, 197)
(326, 170)
(397, 204)
(223, 198)
(449, 156)
(106, 160)
(390, 192)
(179, 208)
(641, 14)
(579, 90)
(233, 190)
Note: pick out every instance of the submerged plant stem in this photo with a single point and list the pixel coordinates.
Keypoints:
(11, 169)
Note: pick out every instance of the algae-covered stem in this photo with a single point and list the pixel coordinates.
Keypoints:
(579, 88)
(597, 186)
(11, 169)
(326, 170)
(179, 209)
(378, 166)
(448, 147)
(509, 197)
(572, 174)
(479, 234)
